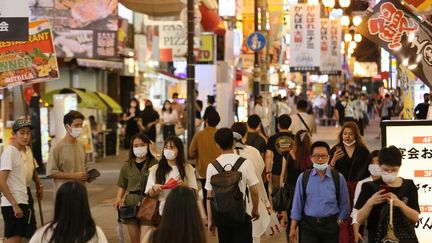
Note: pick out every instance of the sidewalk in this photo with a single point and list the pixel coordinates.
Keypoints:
(103, 190)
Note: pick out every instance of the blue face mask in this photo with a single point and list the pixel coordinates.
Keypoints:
(320, 167)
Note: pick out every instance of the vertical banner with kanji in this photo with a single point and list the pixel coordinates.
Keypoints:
(305, 38)
(395, 28)
(414, 140)
(331, 36)
(407, 79)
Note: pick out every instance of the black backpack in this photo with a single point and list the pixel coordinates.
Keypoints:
(228, 204)
(336, 181)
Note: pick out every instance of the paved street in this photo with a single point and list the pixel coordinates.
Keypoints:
(102, 191)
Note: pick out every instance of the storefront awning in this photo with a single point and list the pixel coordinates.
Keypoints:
(155, 8)
(86, 99)
(103, 64)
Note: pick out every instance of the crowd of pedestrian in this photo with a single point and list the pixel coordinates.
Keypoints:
(338, 194)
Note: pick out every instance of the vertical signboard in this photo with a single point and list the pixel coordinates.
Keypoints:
(414, 140)
(173, 41)
(402, 33)
(407, 79)
(305, 38)
(331, 36)
(14, 20)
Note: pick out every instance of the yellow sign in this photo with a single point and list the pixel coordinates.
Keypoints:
(407, 80)
(206, 51)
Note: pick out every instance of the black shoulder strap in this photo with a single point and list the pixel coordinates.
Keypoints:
(336, 180)
(238, 163)
(218, 166)
(304, 123)
(305, 179)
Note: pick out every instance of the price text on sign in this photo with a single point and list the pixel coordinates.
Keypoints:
(423, 173)
(426, 208)
(423, 139)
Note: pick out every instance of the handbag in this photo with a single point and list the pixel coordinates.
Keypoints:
(391, 237)
(274, 227)
(148, 210)
(179, 130)
(127, 212)
(282, 198)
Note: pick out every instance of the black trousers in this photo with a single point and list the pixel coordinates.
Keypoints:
(241, 234)
(168, 130)
(319, 230)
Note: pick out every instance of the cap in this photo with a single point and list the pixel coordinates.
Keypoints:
(21, 123)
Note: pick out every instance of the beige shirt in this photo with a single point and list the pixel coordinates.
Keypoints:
(39, 236)
(65, 157)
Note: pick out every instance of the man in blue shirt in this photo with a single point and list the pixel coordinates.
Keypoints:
(321, 213)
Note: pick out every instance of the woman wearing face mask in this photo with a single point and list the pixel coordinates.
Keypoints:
(171, 171)
(373, 201)
(169, 119)
(149, 119)
(375, 174)
(133, 179)
(350, 157)
(131, 118)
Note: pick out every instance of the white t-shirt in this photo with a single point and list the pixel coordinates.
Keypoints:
(249, 177)
(37, 237)
(175, 174)
(356, 195)
(29, 163)
(11, 161)
(169, 118)
(297, 124)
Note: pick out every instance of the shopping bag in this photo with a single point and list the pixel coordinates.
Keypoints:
(274, 227)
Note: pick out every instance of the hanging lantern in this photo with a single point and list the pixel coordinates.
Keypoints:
(357, 20)
(357, 38)
(345, 20)
(344, 3)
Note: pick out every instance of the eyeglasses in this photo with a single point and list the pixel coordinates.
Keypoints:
(320, 156)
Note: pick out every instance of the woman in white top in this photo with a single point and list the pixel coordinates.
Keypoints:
(260, 225)
(72, 218)
(169, 119)
(171, 171)
(375, 174)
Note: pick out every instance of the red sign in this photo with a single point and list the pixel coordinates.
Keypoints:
(423, 139)
(423, 173)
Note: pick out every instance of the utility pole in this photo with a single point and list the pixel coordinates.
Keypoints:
(257, 71)
(191, 94)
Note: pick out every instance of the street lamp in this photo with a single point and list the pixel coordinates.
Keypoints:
(345, 20)
(357, 20)
(357, 38)
(348, 37)
(344, 3)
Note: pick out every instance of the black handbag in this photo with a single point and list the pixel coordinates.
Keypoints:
(127, 212)
(282, 198)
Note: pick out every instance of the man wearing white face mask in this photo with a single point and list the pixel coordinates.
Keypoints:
(67, 157)
(372, 202)
(321, 201)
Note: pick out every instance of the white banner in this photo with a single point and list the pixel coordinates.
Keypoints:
(173, 41)
(331, 36)
(305, 38)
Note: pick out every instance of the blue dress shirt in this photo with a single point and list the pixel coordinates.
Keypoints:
(320, 197)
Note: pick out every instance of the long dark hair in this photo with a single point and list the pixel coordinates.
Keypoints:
(143, 138)
(72, 218)
(164, 109)
(163, 167)
(181, 221)
(302, 152)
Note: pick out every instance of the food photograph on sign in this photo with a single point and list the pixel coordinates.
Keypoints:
(31, 61)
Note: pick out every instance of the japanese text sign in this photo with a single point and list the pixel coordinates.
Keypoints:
(32, 61)
(395, 28)
(414, 140)
(305, 37)
(331, 36)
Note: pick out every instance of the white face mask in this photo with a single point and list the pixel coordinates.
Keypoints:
(169, 154)
(349, 144)
(76, 131)
(389, 177)
(375, 170)
(140, 151)
(320, 167)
